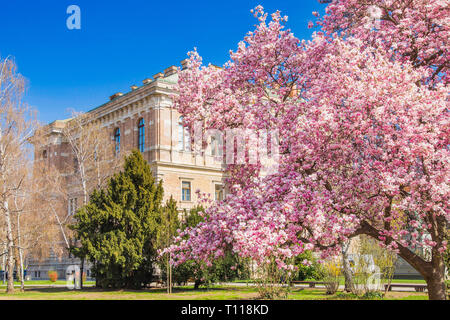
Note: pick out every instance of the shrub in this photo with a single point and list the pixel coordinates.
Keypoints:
(53, 275)
(223, 269)
(332, 271)
(312, 271)
(272, 281)
(346, 296)
(373, 295)
(373, 266)
(118, 227)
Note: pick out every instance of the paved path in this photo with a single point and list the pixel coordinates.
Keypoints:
(30, 285)
(318, 286)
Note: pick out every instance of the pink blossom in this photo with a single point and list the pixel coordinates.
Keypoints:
(364, 133)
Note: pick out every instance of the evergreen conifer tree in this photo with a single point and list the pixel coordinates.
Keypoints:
(117, 229)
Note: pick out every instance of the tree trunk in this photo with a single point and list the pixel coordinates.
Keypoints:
(61, 228)
(22, 276)
(433, 272)
(84, 183)
(436, 281)
(10, 249)
(346, 266)
(170, 278)
(167, 275)
(4, 264)
(81, 273)
(17, 263)
(436, 287)
(19, 257)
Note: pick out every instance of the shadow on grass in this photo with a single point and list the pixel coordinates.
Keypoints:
(143, 290)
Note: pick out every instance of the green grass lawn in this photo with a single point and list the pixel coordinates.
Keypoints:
(63, 282)
(418, 281)
(184, 293)
(342, 281)
(43, 282)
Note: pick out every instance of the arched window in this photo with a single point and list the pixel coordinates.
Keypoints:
(44, 154)
(117, 140)
(141, 136)
(184, 138)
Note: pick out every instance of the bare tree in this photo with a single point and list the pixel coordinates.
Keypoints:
(16, 127)
(36, 227)
(93, 152)
(94, 157)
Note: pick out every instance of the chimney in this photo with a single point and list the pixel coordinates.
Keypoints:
(184, 64)
(158, 75)
(147, 81)
(116, 95)
(170, 71)
(133, 87)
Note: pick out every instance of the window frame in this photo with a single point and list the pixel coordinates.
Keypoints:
(72, 206)
(184, 137)
(117, 139)
(222, 191)
(186, 197)
(141, 135)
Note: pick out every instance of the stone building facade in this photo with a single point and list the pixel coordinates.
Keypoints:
(142, 119)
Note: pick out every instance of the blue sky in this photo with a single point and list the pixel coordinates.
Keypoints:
(122, 42)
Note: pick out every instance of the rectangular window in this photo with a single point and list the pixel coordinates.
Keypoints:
(75, 165)
(216, 147)
(73, 206)
(180, 137)
(186, 191)
(117, 141)
(218, 192)
(69, 209)
(187, 140)
(141, 138)
(184, 137)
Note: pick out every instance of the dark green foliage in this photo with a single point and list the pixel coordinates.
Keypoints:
(117, 229)
(370, 295)
(228, 268)
(168, 226)
(223, 269)
(307, 272)
(193, 217)
(373, 295)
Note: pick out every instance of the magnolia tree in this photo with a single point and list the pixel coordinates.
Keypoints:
(363, 127)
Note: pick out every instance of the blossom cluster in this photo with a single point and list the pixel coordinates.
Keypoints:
(363, 129)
